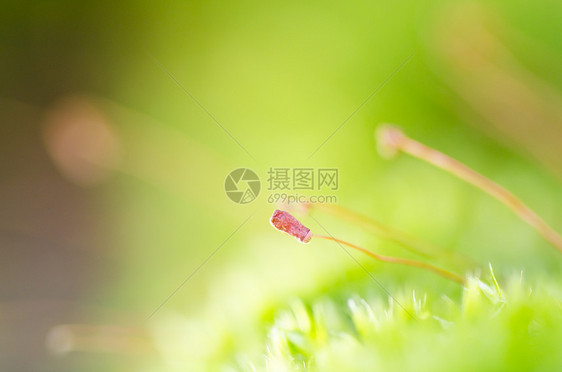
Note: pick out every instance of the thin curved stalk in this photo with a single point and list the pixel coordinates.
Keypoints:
(381, 230)
(398, 260)
(404, 240)
(393, 139)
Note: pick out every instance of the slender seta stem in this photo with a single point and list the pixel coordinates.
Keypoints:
(285, 222)
(410, 243)
(378, 228)
(391, 139)
(398, 260)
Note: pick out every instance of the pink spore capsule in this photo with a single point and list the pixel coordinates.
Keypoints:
(283, 221)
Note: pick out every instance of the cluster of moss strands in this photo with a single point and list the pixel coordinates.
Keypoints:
(491, 328)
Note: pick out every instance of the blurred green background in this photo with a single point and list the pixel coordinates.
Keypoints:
(112, 177)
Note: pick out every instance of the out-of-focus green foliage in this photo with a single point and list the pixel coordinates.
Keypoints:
(490, 329)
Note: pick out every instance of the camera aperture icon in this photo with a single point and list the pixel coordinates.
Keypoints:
(242, 185)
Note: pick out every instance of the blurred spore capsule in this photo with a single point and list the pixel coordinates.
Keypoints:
(389, 139)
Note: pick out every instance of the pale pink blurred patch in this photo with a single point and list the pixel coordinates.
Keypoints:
(81, 141)
(65, 338)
